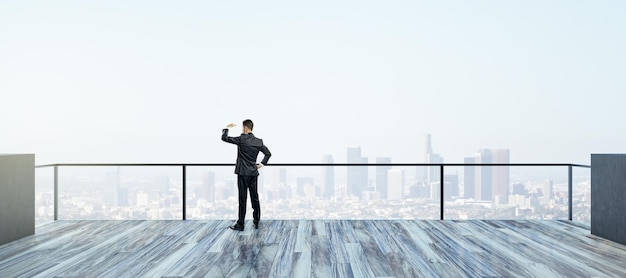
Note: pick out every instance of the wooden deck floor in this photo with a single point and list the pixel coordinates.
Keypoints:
(313, 248)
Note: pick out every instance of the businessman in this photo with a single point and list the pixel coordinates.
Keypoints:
(246, 169)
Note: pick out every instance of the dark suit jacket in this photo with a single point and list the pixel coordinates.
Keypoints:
(248, 148)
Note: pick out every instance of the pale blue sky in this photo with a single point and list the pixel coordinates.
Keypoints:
(156, 81)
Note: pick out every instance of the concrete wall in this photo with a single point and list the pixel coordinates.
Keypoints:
(17, 196)
(608, 196)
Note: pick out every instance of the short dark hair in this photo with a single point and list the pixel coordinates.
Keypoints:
(248, 123)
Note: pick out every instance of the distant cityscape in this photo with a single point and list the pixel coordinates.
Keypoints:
(476, 192)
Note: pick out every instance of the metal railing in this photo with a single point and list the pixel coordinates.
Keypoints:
(184, 166)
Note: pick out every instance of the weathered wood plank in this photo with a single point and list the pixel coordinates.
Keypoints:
(376, 260)
(320, 256)
(283, 261)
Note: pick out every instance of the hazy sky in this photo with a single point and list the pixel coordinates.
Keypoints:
(156, 81)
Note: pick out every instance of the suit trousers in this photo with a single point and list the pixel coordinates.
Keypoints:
(245, 183)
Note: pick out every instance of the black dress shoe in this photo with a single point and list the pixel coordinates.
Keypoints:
(256, 225)
(236, 228)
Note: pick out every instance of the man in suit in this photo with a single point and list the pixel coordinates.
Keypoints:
(248, 148)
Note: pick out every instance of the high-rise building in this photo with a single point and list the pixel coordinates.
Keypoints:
(492, 181)
(501, 175)
(413, 191)
(451, 186)
(206, 190)
(428, 150)
(305, 187)
(143, 198)
(367, 185)
(381, 176)
(227, 190)
(356, 175)
(547, 190)
(280, 176)
(432, 174)
(435, 190)
(484, 177)
(518, 189)
(395, 183)
(122, 197)
(419, 190)
(113, 195)
(328, 177)
(469, 175)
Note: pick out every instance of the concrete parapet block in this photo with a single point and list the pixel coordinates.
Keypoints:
(608, 196)
(17, 196)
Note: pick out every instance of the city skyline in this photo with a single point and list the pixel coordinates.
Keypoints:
(158, 197)
(481, 183)
(324, 192)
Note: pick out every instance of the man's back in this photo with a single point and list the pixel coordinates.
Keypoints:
(248, 148)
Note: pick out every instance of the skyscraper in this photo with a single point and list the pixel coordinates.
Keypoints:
(428, 148)
(230, 189)
(113, 195)
(547, 191)
(484, 177)
(451, 186)
(518, 189)
(492, 182)
(501, 175)
(305, 187)
(328, 177)
(469, 174)
(357, 175)
(381, 176)
(207, 189)
(280, 176)
(434, 190)
(422, 172)
(432, 174)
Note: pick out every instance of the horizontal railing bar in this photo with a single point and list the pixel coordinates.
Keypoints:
(136, 164)
(420, 164)
(314, 164)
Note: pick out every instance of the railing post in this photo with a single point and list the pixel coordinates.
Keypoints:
(441, 182)
(184, 192)
(56, 193)
(570, 191)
